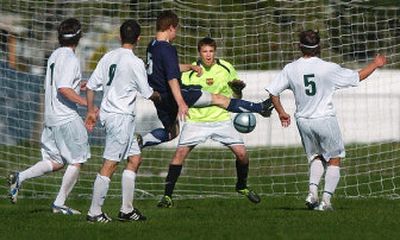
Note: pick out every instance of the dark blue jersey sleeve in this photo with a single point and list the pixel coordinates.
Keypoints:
(171, 63)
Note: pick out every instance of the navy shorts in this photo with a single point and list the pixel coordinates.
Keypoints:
(167, 109)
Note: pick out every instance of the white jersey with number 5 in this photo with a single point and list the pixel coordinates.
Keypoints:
(313, 82)
(63, 71)
(121, 75)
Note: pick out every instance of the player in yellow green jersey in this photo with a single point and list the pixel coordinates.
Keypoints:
(219, 77)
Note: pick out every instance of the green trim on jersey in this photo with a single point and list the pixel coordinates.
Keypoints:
(213, 80)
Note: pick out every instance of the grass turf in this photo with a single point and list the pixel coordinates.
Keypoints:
(273, 218)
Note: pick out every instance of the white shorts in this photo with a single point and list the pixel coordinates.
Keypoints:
(321, 136)
(120, 137)
(67, 143)
(194, 133)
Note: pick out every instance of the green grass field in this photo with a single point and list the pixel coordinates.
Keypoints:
(273, 218)
(366, 202)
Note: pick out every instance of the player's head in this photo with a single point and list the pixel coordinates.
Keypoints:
(69, 32)
(309, 43)
(167, 21)
(207, 48)
(129, 32)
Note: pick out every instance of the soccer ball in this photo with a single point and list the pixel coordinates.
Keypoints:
(244, 122)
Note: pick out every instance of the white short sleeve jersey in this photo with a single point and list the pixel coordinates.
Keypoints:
(63, 71)
(121, 75)
(313, 82)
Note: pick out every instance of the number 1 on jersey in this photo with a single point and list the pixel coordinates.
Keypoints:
(309, 83)
(111, 73)
(51, 73)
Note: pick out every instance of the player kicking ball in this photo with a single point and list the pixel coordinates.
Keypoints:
(122, 76)
(313, 82)
(164, 74)
(64, 138)
(219, 77)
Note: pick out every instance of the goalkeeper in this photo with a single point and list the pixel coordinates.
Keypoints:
(313, 82)
(219, 77)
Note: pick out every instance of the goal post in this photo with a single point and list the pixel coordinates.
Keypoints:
(258, 38)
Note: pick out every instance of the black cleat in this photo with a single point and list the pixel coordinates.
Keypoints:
(267, 108)
(135, 215)
(165, 202)
(102, 218)
(139, 140)
(250, 194)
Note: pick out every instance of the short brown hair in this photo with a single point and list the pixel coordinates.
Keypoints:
(309, 43)
(69, 32)
(129, 32)
(207, 41)
(165, 20)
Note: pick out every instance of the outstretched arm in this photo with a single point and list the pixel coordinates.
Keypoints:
(379, 61)
(283, 116)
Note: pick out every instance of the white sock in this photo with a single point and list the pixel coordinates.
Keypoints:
(316, 171)
(100, 189)
(37, 170)
(332, 177)
(128, 190)
(68, 182)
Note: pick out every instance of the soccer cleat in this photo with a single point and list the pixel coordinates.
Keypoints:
(135, 215)
(250, 194)
(14, 185)
(323, 206)
(102, 218)
(139, 140)
(64, 210)
(311, 201)
(165, 202)
(267, 108)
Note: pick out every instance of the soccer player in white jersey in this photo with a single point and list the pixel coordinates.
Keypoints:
(64, 137)
(313, 82)
(122, 76)
(219, 77)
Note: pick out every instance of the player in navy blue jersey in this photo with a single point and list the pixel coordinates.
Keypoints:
(164, 75)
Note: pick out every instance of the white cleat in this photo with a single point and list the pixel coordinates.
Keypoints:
(64, 210)
(311, 201)
(323, 206)
(14, 185)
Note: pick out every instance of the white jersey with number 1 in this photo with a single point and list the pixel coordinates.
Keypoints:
(313, 82)
(63, 71)
(121, 75)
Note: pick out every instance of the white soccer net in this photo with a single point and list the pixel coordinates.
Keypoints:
(258, 38)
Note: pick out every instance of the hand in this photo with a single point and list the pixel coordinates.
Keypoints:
(237, 85)
(197, 69)
(83, 85)
(285, 119)
(183, 111)
(155, 97)
(91, 119)
(380, 60)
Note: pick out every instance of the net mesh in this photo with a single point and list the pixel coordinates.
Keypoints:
(258, 38)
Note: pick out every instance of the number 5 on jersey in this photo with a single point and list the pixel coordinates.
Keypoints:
(309, 83)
